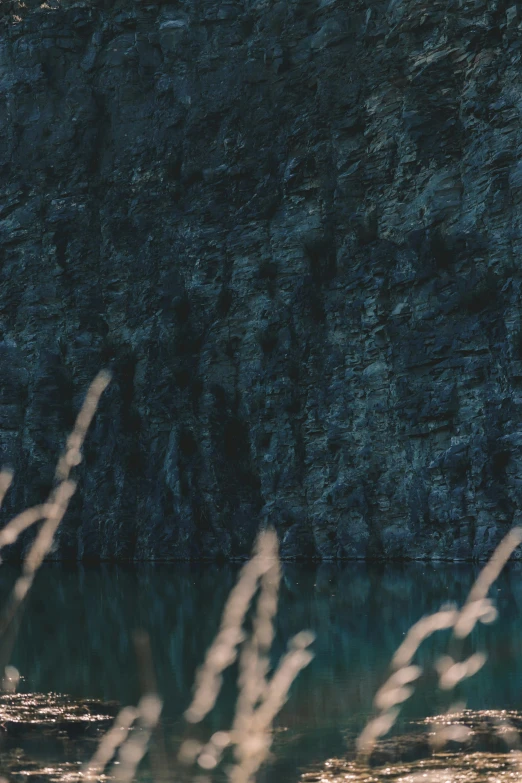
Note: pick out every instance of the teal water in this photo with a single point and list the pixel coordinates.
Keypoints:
(76, 631)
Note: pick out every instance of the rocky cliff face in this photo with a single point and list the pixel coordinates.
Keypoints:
(293, 231)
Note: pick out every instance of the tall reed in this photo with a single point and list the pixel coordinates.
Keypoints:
(51, 513)
(260, 696)
(398, 687)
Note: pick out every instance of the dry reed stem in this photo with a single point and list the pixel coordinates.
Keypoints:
(110, 742)
(254, 661)
(394, 689)
(421, 630)
(259, 699)
(477, 607)
(10, 533)
(477, 596)
(149, 686)
(6, 477)
(146, 715)
(41, 546)
(71, 457)
(251, 733)
(43, 542)
(52, 511)
(132, 751)
(132, 728)
(223, 651)
(452, 672)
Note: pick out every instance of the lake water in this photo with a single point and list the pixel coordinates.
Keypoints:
(75, 639)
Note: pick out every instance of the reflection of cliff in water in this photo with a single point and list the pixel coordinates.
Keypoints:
(75, 638)
(359, 614)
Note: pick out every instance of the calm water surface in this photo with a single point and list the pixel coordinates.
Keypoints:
(76, 639)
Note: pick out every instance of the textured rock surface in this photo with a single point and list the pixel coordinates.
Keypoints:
(293, 231)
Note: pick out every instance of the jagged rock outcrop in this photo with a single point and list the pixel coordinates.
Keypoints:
(293, 231)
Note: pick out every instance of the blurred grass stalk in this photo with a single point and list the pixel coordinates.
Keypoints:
(51, 512)
(398, 688)
(133, 727)
(260, 697)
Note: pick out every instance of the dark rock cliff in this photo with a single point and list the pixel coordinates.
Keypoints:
(293, 231)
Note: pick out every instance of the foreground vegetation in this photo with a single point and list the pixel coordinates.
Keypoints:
(246, 635)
